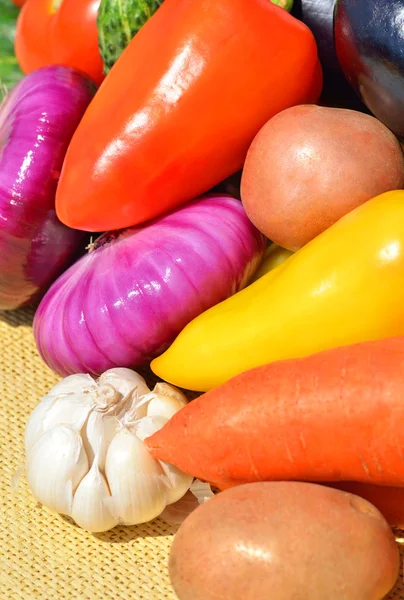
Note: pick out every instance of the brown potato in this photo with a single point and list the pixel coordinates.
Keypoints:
(310, 165)
(284, 541)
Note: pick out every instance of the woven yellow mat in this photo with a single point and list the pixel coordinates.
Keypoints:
(42, 555)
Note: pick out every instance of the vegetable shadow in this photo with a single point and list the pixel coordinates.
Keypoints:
(20, 317)
(122, 534)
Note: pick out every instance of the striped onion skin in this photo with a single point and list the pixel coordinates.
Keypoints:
(124, 302)
(37, 121)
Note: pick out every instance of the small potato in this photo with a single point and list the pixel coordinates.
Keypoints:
(309, 166)
(284, 541)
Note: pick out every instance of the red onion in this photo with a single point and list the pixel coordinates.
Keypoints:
(125, 302)
(37, 121)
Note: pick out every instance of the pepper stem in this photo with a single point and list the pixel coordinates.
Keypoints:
(286, 4)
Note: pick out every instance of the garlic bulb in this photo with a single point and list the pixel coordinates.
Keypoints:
(85, 452)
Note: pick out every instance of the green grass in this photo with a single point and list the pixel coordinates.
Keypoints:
(9, 70)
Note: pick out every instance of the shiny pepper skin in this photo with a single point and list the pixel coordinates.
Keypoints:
(345, 286)
(180, 108)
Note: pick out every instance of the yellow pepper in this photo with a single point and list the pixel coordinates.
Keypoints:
(345, 286)
(274, 256)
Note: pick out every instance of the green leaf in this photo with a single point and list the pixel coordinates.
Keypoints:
(10, 72)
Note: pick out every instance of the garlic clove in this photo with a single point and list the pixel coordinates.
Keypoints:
(145, 427)
(125, 381)
(71, 411)
(178, 482)
(34, 427)
(90, 507)
(132, 386)
(56, 464)
(68, 403)
(97, 435)
(136, 480)
(164, 401)
(108, 399)
(165, 389)
(73, 384)
(164, 406)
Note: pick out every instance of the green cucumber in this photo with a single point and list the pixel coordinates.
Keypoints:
(9, 70)
(118, 22)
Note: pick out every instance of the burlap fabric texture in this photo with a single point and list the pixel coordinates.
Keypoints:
(42, 555)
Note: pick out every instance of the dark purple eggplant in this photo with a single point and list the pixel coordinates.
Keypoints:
(37, 121)
(318, 15)
(369, 41)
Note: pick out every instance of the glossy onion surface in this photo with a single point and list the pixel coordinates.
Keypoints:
(37, 121)
(125, 301)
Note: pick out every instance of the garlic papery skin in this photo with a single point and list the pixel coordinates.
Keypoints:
(90, 507)
(179, 482)
(163, 403)
(69, 403)
(86, 457)
(136, 480)
(125, 381)
(56, 464)
(97, 435)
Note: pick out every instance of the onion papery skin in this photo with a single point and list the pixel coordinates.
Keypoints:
(124, 302)
(37, 121)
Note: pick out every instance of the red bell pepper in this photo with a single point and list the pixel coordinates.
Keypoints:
(179, 109)
(59, 32)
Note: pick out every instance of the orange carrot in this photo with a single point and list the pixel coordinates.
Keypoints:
(333, 416)
(389, 500)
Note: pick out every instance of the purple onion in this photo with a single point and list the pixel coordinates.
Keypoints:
(125, 302)
(37, 121)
